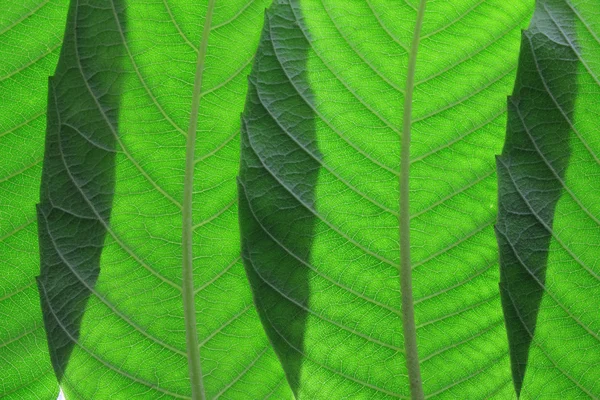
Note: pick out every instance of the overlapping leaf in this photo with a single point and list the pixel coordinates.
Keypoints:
(30, 36)
(110, 210)
(548, 226)
(319, 195)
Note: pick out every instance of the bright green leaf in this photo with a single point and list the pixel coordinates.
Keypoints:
(30, 37)
(319, 199)
(111, 205)
(319, 193)
(548, 225)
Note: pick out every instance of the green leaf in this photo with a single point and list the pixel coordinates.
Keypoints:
(548, 223)
(30, 37)
(319, 193)
(110, 214)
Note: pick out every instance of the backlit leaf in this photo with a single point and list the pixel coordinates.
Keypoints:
(548, 226)
(110, 210)
(319, 193)
(30, 37)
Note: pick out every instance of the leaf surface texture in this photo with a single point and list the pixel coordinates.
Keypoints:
(319, 193)
(110, 210)
(30, 37)
(548, 226)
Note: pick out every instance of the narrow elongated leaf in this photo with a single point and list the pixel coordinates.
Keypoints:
(30, 37)
(548, 225)
(319, 193)
(110, 211)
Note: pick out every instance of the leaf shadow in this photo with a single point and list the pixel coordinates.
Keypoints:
(279, 168)
(531, 171)
(78, 175)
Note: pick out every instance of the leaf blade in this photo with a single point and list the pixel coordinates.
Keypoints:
(319, 182)
(544, 207)
(34, 28)
(115, 162)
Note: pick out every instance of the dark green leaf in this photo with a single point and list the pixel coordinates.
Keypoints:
(110, 213)
(548, 224)
(319, 193)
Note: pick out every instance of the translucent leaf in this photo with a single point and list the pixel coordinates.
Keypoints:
(30, 37)
(319, 193)
(110, 210)
(548, 226)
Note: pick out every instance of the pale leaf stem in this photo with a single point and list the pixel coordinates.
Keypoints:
(189, 306)
(408, 308)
